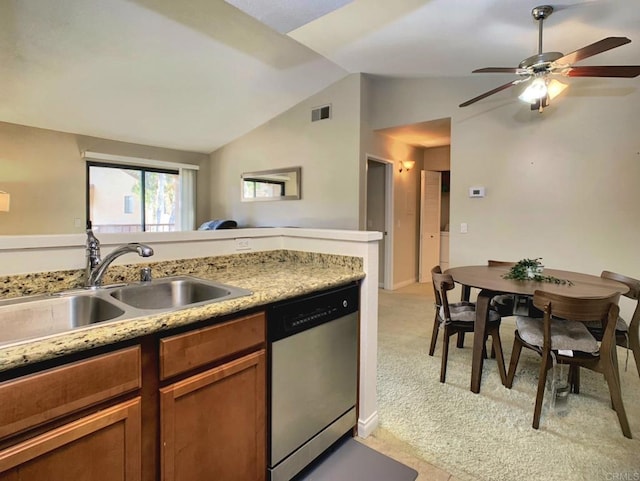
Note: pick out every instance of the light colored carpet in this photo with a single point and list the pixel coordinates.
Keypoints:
(488, 436)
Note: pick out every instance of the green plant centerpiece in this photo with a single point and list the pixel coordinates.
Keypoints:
(531, 270)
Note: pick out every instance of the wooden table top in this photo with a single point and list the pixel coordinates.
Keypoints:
(584, 285)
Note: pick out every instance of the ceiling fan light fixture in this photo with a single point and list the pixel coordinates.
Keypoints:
(543, 64)
(555, 88)
(536, 90)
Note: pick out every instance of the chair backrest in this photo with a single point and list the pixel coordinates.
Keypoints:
(633, 284)
(604, 309)
(493, 263)
(441, 284)
(634, 294)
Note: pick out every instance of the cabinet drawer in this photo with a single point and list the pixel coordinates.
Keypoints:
(33, 400)
(104, 446)
(193, 349)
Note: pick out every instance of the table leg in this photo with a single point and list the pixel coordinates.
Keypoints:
(465, 293)
(479, 333)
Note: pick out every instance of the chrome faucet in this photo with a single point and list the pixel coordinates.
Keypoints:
(96, 266)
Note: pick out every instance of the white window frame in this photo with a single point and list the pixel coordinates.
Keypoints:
(186, 172)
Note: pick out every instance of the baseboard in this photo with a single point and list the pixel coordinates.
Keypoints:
(406, 283)
(367, 426)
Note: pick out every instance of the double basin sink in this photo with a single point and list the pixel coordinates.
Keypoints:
(40, 316)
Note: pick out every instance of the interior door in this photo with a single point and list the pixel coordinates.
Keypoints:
(430, 208)
(376, 210)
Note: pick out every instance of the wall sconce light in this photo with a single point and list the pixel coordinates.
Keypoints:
(406, 165)
(4, 201)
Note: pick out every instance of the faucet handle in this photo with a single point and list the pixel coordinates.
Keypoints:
(145, 274)
(93, 250)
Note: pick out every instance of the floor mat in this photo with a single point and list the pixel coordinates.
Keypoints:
(353, 461)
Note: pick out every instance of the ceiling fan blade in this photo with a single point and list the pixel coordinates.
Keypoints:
(627, 71)
(515, 70)
(593, 49)
(490, 92)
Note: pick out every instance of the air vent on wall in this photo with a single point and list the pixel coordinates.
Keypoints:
(321, 113)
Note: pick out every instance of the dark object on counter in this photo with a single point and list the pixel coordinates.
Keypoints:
(218, 224)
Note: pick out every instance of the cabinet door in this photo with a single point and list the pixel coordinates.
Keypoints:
(104, 446)
(30, 401)
(213, 424)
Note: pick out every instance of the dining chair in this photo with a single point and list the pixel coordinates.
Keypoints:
(626, 335)
(459, 317)
(503, 303)
(562, 329)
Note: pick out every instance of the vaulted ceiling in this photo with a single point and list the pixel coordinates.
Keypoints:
(196, 74)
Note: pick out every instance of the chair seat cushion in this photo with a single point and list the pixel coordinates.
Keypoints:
(621, 325)
(504, 304)
(565, 335)
(466, 312)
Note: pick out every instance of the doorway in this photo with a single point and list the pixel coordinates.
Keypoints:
(434, 222)
(379, 195)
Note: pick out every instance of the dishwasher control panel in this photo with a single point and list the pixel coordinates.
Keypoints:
(290, 317)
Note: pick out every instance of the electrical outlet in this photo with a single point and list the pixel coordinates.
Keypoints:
(242, 244)
(463, 228)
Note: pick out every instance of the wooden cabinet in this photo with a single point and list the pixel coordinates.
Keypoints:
(212, 424)
(82, 429)
(104, 446)
(195, 349)
(185, 407)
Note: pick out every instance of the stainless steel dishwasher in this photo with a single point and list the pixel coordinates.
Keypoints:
(313, 377)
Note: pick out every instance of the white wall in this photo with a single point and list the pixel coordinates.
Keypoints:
(406, 189)
(327, 151)
(437, 158)
(561, 185)
(45, 174)
(333, 156)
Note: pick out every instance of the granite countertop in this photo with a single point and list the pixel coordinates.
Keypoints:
(271, 276)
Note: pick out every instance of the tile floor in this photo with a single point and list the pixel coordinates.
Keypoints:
(400, 451)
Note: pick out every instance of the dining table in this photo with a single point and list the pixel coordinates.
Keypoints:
(490, 280)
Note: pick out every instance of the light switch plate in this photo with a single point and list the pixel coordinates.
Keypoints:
(476, 191)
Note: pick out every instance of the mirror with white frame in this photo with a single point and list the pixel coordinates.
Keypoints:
(274, 184)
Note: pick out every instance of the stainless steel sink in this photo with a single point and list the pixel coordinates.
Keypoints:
(175, 292)
(41, 316)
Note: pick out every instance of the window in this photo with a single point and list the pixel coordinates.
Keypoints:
(152, 198)
(258, 188)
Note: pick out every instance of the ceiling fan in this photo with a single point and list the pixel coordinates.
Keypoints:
(538, 69)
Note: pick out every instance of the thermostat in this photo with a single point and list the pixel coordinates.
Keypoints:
(476, 191)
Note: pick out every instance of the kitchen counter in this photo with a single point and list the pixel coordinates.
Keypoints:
(271, 275)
